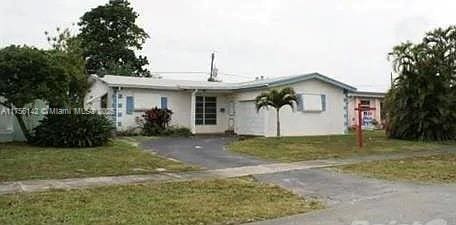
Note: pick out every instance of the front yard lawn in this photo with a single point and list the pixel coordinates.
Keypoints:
(227, 201)
(429, 169)
(19, 161)
(288, 149)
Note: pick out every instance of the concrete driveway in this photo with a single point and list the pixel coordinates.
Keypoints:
(206, 151)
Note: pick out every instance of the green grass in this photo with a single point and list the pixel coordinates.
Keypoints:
(426, 169)
(228, 201)
(20, 161)
(290, 149)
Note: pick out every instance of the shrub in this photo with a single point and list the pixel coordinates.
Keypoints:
(156, 120)
(176, 131)
(73, 130)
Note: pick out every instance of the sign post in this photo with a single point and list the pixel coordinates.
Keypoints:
(359, 127)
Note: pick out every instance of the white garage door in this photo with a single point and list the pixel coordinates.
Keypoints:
(247, 120)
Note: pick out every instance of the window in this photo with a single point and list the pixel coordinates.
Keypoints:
(312, 103)
(205, 110)
(164, 102)
(130, 104)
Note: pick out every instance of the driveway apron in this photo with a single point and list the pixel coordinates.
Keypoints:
(206, 151)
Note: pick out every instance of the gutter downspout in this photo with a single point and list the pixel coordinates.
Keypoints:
(116, 92)
(192, 111)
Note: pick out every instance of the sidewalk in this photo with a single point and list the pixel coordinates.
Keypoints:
(75, 183)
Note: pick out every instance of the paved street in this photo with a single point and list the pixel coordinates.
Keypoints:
(350, 199)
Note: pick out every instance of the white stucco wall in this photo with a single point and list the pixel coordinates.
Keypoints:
(178, 102)
(97, 90)
(293, 122)
(298, 123)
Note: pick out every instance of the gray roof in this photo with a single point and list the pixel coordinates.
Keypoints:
(168, 84)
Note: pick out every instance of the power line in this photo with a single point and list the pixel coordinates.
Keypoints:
(201, 72)
(236, 75)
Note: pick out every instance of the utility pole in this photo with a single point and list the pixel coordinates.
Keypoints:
(211, 76)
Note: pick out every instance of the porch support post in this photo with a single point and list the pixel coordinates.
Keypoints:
(192, 111)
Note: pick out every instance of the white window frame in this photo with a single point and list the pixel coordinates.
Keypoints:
(204, 113)
(317, 96)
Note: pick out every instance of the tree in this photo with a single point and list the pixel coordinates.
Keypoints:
(28, 74)
(276, 99)
(67, 52)
(110, 35)
(421, 104)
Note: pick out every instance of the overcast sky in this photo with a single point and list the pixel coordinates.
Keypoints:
(344, 39)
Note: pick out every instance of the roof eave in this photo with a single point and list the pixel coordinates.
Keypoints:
(173, 88)
(276, 83)
(303, 77)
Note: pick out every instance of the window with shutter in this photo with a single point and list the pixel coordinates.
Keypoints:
(323, 103)
(164, 102)
(312, 102)
(130, 105)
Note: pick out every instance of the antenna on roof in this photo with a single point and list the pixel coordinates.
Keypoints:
(213, 74)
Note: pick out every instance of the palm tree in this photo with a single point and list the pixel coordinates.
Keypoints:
(276, 99)
(421, 104)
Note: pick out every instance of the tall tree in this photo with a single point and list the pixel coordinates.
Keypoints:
(422, 101)
(67, 52)
(110, 36)
(28, 74)
(276, 99)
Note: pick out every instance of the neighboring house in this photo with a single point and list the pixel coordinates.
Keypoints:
(9, 127)
(370, 99)
(217, 107)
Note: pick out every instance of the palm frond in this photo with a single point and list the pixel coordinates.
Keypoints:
(276, 98)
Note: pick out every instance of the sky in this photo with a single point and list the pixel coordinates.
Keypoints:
(348, 40)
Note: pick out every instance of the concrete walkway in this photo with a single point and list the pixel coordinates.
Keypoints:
(74, 183)
(271, 168)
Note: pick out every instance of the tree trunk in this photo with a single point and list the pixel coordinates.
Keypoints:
(278, 123)
(25, 131)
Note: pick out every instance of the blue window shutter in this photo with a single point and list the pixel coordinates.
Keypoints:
(323, 103)
(130, 104)
(164, 102)
(300, 105)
